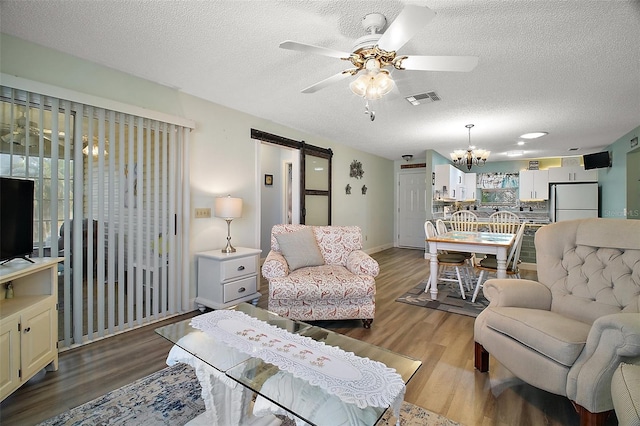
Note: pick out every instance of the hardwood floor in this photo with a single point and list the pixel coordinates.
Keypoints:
(446, 383)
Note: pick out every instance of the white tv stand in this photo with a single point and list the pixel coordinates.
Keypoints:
(28, 321)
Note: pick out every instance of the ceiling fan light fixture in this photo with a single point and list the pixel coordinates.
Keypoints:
(372, 85)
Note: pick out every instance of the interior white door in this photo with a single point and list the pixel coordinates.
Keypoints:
(412, 210)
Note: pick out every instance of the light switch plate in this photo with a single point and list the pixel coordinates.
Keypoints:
(202, 213)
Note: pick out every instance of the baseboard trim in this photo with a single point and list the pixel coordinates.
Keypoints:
(528, 266)
(378, 248)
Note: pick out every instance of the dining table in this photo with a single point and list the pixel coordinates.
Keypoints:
(494, 243)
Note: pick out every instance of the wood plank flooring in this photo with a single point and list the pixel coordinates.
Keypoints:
(446, 383)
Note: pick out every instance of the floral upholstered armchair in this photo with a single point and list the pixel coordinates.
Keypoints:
(320, 273)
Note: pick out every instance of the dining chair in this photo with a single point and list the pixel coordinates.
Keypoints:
(469, 276)
(441, 227)
(464, 220)
(490, 264)
(504, 221)
(446, 261)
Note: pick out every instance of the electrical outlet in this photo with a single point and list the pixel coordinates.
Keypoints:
(203, 213)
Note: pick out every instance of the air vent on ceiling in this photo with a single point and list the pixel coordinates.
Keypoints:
(423, 98)
(573, 149)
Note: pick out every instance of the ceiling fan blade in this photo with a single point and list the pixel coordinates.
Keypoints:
(438, 63)
(316, 50)
(327, 82)
(406, 25)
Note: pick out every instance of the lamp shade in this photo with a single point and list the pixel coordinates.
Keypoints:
(228, 207)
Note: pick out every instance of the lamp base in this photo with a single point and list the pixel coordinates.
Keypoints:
(229, 248)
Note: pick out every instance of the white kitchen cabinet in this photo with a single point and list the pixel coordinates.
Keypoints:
(534, 185)
(454, 181)
(471, 186)
(28, 321)
(572, 174)
(226, 279)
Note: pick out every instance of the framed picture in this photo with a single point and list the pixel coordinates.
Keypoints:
(268, 180)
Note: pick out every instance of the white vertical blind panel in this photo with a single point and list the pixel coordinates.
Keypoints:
(100, 177)
(111, 236)
(138, 176)
(186, 209)
(66, 210)
(172, 208)
(153, 140)
(76, 247)
(40, 194)
(123, 258)
(148, 262)
(130, 231)
(88, 182)
(166, 218)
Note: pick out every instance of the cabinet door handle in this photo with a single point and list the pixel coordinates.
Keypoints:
(241, 290)
(240, 268)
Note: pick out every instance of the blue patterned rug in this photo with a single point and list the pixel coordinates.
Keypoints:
(172, 397)
(167, 397)
(449, 300)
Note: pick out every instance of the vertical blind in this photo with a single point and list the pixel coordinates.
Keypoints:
(109, 199)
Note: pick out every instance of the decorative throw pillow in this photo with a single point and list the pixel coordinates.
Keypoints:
(300, 249)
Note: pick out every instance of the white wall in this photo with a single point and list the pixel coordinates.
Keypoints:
(271, 197)
(224, 158)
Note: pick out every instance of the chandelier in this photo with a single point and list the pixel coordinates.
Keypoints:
(470, 157)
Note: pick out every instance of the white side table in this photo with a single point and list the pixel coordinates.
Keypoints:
(225, 279)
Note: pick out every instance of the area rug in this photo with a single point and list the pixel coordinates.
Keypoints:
(449, 300)
(172, 397)
(167, 397)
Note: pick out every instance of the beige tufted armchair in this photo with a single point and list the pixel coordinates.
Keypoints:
(568, 332)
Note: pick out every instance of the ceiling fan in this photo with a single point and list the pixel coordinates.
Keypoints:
(25, 134)
(376, 51)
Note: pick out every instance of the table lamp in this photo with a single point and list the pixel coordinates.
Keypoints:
(228, 208)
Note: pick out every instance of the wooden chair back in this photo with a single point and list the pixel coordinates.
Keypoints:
(441, 227)
(504, 221)
(464, 220)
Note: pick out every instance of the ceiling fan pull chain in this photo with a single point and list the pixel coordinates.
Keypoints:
(369, 112)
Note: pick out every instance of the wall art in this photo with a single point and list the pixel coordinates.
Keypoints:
(355, 170)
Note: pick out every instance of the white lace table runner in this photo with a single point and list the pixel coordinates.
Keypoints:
(355, 380)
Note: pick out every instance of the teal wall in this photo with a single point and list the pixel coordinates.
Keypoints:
(613, 181)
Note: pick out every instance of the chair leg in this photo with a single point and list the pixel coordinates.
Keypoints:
(428, 286)
(366, 323)
(587, 418)
(478, 285)
(460, 282)
(470, 276)
(481, 358)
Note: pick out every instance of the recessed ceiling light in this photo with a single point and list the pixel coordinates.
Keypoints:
(521, 143)
(515, 153)
(534, 135)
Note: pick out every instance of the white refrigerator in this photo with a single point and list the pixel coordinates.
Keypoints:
(573, 201)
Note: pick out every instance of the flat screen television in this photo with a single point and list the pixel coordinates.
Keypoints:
(597, 160)
(16, 218)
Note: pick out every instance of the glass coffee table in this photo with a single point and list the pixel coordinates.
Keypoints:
(276, 391)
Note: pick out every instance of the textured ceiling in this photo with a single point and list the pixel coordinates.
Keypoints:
(571, 68)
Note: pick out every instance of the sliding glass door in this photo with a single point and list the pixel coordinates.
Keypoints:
(108, 198)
